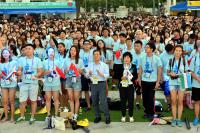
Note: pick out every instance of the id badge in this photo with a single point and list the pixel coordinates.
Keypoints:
(73, 79)
(28, 76)
(7, 82)
(95, 80)
(50, 79)
(124, 83)
(147, 75)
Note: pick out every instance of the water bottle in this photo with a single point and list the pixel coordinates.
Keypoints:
(80, 110)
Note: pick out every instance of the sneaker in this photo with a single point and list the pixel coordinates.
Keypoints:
(173, 124)
(65, 109)
(114, 87)
(179, 123)
(138, 106)
(75, 116)
(20, 119)
(107, 120)
(131, 119)
(123, 119)
(196, 121)
(53, 122)
(97, 119)
(31, 121)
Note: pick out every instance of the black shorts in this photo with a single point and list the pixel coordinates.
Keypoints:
(62, 79)
(116, 68)
(195, 94)
(85, 83)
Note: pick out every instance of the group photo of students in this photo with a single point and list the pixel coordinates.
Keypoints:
(63, 59)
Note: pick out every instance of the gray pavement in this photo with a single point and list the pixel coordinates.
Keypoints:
(114, 127)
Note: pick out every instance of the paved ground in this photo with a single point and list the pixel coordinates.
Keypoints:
(114, 127)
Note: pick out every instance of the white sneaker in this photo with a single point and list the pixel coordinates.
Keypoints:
(131, 119)
(123, 119)
(65, 109)
(75, 116)
(20, 119)
(32, 120)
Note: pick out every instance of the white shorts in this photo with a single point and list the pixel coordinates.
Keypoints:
(28, 90)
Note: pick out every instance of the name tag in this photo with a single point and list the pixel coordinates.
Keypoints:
(124, 83)
(73, 79)
(50, 79)
(147, 75)
(28, 76)
(95, 80)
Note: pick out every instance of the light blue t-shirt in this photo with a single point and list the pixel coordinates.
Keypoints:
(7, 68)
(53, 79)
(136, 59)
(121, 47)
(68, 63)
(195, 67)
(188, 48)
(160, 47)
(108, 41)
(108, 56)
(30, 68)
(40, 53)
(86, 57)
(15, 58)
(96, 38)
(175, 69)
(61, 59)
(165, 59)
(150, 67)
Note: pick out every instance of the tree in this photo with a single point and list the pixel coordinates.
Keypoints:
(78, 5)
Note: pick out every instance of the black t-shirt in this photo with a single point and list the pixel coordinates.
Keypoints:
(177, 40)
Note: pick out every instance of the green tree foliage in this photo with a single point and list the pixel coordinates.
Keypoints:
(116, 3)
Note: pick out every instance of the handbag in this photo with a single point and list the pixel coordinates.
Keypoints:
(59, 123)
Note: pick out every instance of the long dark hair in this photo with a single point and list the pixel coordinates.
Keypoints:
(40, 45)
(65, 51)
(14, 49)
(104, 48)
(2, 58)
(77, 54)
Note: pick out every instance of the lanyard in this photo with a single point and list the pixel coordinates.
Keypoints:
(31, 64)
(49, 65)
(7, 69)
(147, 69)
(86, 60)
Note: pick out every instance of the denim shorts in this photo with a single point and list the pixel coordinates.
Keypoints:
(9, 88)
(70, 85)
(52, 88)
(176, 88)
(28, 90)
